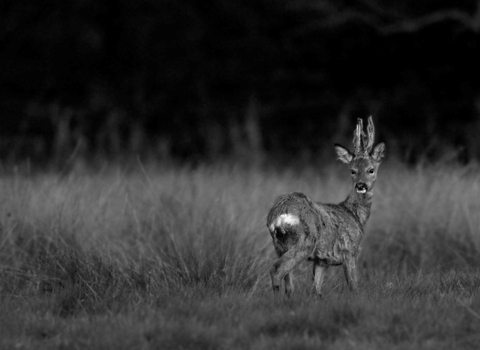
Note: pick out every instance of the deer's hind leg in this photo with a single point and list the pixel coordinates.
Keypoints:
(296, 252)
(282, 268)
(293, 244)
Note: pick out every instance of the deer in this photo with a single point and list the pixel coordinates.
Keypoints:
(326, 234)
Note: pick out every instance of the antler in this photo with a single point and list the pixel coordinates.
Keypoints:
(358, 138)
(363, 143)
(371, 135)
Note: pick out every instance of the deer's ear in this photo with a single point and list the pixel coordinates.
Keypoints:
(378, 152)
(343, 154)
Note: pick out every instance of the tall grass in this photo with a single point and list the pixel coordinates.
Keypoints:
(206, 224)
(192, 243)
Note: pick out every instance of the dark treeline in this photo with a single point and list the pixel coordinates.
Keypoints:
(207, 79)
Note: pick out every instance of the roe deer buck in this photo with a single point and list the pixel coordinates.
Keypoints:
(327, 234)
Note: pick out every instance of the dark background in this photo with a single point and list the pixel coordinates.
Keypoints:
(256, 79)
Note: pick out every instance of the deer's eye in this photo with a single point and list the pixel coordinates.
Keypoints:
(354, 172)
(371, 171)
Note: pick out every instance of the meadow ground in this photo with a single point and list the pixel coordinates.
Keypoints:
(178, 258)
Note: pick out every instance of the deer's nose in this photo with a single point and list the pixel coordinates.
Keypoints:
(361, 187)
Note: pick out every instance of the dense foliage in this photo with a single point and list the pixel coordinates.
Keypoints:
(188, 78)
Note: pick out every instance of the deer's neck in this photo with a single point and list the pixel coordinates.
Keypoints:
(359, 204)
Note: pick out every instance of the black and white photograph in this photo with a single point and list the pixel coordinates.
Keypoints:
(239, 174)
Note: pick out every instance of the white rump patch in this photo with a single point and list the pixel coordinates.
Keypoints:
(285, 219)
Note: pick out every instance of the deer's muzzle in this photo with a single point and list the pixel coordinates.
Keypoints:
(361, 187)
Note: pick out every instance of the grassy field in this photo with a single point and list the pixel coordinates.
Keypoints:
(178, 258)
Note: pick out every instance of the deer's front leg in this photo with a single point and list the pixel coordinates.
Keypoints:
(318, 276)
(350, 269)
(288, 279)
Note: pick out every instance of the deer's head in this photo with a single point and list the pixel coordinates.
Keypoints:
(365, 159)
